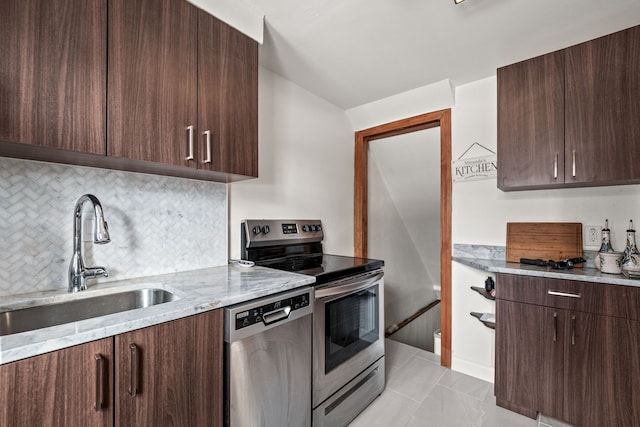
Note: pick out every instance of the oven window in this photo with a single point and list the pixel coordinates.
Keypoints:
(351, 326)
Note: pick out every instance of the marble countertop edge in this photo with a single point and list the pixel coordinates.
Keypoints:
(198, 290)
(579, 274)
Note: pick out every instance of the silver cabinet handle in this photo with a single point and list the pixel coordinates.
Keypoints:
(207, 134)
(555, 327)
(190, 155)
(555, 167)
(573, 330)
(133, 388)
(573, 167)
(564, 294)
(99, 382)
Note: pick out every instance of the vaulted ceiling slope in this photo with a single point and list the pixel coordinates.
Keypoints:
(352, 52)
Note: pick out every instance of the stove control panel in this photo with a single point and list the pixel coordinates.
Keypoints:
(270, 232)
(271, 312)
(249, 318)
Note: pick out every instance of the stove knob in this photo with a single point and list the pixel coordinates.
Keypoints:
(256, 230)
(318, 227)
(305, 228)
(266, 229)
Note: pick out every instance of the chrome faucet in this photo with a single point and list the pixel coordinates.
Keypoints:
(78, 273)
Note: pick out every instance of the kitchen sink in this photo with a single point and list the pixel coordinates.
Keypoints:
(43, 316)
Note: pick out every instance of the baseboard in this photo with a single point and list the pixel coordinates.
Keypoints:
(482, 372)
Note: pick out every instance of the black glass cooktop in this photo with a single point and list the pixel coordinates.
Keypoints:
(324, 267)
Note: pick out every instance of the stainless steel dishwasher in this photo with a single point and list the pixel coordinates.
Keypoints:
(268, 361)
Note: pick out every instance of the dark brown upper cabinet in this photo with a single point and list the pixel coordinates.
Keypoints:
(227, 98)
(152, 86)
(53, 73)
(602, 109)
(569, 118)
(152, 80)
(531, 123)
(183, 88)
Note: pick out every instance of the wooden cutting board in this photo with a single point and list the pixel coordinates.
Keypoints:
(543, 240)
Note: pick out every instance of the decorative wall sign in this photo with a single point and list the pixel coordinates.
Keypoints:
(477, 167)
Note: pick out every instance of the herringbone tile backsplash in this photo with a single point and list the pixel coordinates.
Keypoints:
(157, 224)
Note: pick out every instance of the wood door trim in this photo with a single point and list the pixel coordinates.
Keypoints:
(442, 119)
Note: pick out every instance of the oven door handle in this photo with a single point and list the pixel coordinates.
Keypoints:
(348, 287)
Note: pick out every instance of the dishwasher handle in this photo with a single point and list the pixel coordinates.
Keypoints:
(276, 315)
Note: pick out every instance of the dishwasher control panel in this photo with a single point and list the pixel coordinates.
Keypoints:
(261, 314)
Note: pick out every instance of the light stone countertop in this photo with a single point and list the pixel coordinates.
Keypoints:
(199, 291)
(579, 274)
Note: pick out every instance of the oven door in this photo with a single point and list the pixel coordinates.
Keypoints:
(348, 331)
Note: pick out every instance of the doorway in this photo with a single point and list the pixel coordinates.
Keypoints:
(438, 119)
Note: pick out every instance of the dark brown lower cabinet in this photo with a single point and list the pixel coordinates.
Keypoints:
(517, 372)
(171, 374)
(579, 367)
(61, 388)
(165, 375)
(603, 371)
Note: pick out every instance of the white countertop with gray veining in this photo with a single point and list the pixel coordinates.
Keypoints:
(579, 274)
(199, 291)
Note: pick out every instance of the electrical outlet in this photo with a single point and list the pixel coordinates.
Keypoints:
(592, 236)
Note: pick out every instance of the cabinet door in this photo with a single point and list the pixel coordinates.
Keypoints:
(602, 109)
(227, 97)
(53, 73)
(553, 374)
(171, 374)
(152, 80)
(521, 337)
(603, 368)
(60, 388)
(531, 123)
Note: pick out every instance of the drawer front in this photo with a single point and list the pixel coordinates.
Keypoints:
(526, 289)
(589, 297)
(597, 298)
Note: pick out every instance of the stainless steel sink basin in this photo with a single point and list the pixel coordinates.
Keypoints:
(42, 316)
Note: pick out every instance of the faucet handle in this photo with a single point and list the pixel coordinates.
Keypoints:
(93, 272)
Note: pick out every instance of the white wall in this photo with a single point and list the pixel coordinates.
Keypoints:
(305, 165)
(237, 14)
(481, 211)
(409, 165)
(404, 219)
(408, 285)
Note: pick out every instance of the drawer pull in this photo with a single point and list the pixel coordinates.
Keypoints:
(555, 167)
(99, 382)
(133, 388)
(564, 294)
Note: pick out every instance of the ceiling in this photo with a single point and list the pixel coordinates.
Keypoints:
(352, 52)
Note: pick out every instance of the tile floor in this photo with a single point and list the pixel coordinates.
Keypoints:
(421, 393)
